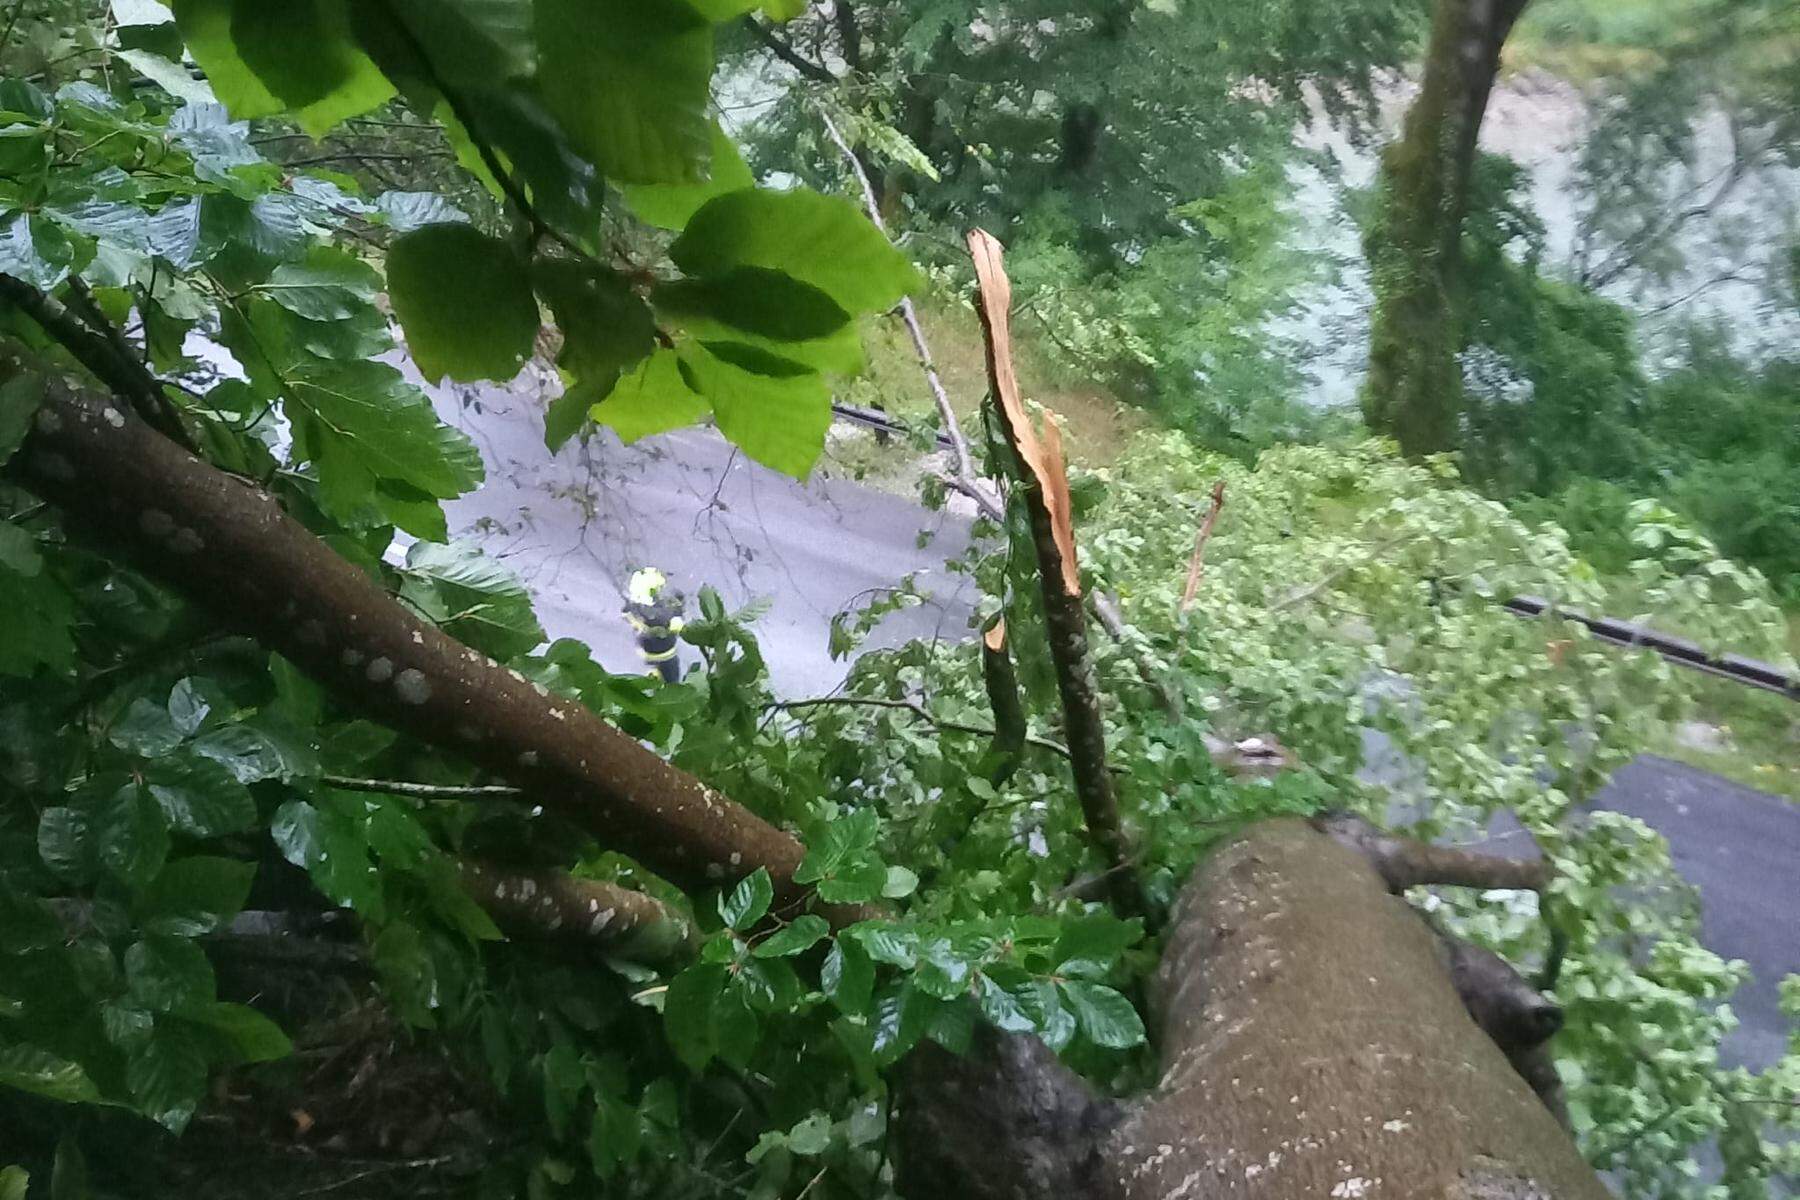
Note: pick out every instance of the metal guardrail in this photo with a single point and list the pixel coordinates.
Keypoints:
(1735, 667)
(876, 419)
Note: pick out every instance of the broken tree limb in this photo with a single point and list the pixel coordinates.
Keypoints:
(228, 547)
(1404, 862)
(965, 479)
(550, 903)
(1312, 1044)
(1198, 558)
(1046, 493)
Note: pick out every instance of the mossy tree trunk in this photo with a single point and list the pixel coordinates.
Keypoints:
(1414, 386)
(1313, 1043)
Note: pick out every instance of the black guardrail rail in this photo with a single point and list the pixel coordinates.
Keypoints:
(1736, 667)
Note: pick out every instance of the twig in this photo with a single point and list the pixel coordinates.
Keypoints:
(966, 480)
(1199, 555)
(420, 791)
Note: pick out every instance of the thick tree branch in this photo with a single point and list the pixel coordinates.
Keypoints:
(1403, 862)
(787, 54)
(1047, 503)
(228, 547)
(101, 349)
(557, 904)
(843, 15)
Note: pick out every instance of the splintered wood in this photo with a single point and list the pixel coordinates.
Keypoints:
(1042, 456)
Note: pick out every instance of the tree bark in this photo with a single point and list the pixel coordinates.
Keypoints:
(1414, 246)
(1313, 1043)
(228, 547)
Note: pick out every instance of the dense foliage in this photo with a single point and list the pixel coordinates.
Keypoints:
(160, 779)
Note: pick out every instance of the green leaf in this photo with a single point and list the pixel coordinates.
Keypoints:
(369, 423)
(407, 211)
(605, 329)
(811, 1136)
(672, 205)
(473, 597)
(18, 551)
(133, 838)
(328, 285)
(252, 1036)
(42, 1073)
(334, 852)
(69, 1174)
(34, 249)
(187, 708)
(146, 729)
(628, 80)
(1002, 1009)
(167, 974)
(736, 1031)
(66, 843)
(39, 624)
(803, 934)
(464, 301)
(1089, 945)
(767, 304)
(195, 895)
(19, 400)
(900, 883)
(854, 883)
(249, 754)
(835, 842)
(409, 975)
(819, 240)
(199, 797)
(167, 1075)
(848, 977)
(294, 56)
(171, 77)
(655, 398)
(13, 1183)
(688, 1012)
(1105, 1016)
(749, 901)
(776, 412)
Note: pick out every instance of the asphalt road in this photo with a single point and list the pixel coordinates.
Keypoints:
(576, 524)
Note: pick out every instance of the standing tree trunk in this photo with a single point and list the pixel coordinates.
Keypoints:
(1316, 1040)
(1414, 246)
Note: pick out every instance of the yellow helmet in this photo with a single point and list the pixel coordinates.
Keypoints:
(646, 583)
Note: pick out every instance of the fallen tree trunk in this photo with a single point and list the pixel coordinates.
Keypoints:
(1313, 1043)
(228, 546)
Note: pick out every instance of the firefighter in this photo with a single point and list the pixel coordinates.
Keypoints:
(653, 609)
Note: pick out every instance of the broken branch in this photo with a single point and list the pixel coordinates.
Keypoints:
(1199, 555)
(1046, 492)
